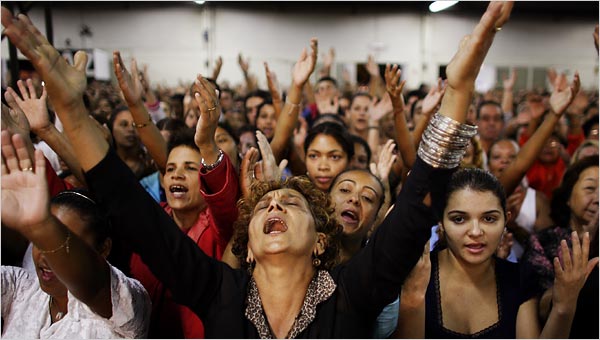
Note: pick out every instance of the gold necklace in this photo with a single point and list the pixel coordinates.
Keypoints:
(59, 315)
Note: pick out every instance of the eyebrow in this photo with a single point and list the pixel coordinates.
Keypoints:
(464, 212)
(354, 182)
(330, 151)
(185, 163)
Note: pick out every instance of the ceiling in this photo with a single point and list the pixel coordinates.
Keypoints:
(533, 9)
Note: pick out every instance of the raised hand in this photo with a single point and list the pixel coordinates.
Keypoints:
(509, 82)
(562, 96)
(305, 64)
(272, 82)
(464, 66)
(206, 98)
(300, 133)
(25, 197)
(385, 162)
(65, 83)
(372, 66)
(217, 69)
(378, 109)
(269, 170)
(33, 108)
(505, 245)
(327, 62)
(393, 88)
(129, 82)
(536, 106)
(326, 104)
(570, 276)
(434, 97)
(244, 64)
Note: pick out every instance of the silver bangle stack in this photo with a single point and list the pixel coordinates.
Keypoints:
(445, 141)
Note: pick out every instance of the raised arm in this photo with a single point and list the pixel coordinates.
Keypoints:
(37, 114)
(245, 67)
(132, 211)
(217, 69)
(403, 137)
(508, 94)
(273, 89)
(132, 88)
(289, 114)
(26, 208)
(559, 101)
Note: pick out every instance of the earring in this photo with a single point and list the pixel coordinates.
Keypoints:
(316, 262)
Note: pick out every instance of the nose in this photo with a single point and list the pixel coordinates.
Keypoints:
(353, 198)
(323, 164)
(274, 205)
(475, 229)
(178, 173)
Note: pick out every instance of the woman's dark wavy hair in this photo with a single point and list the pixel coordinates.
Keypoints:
(560, 211)
(336, 132)
(474, 179)
(81, 202)
(320, 208)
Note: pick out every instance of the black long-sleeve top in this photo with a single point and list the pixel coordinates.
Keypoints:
(365, 284)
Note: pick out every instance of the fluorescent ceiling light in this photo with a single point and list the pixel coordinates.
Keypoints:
(200, 2)
(437, 6)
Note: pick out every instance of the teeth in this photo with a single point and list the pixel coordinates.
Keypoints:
(178, 188)
(350, 214)
(269, 226)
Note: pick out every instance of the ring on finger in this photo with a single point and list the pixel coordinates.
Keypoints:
(28, 169)
(212, 108)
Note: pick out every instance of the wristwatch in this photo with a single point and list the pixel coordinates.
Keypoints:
(209, 167)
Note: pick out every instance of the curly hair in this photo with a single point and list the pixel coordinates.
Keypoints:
(320, 208)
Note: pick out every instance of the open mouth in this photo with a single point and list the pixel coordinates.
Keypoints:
(475, 248)
(46, 274)
(349, 216)
(178, 191)
(275, 225)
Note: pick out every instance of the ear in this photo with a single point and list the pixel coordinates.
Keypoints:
(249, 256)
(441, 226)
(320, 245)
(508, 217)
(105, 247)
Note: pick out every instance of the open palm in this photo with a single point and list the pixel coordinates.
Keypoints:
(24, 193)
(130, 83)
(563, 95)
(305, 64)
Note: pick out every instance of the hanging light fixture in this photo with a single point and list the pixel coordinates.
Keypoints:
(437, 6)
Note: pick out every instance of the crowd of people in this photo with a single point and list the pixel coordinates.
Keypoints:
(326, 210)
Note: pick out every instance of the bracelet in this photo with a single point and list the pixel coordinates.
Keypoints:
(64, 245)
(208, 167)
(445, 141)
(292, 104)
(142, 125)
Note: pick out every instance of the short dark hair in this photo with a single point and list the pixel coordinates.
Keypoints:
(336, 132)
(328, 78)
(359, 94)
(489, 102)
(84, 205)
(182, 138)
(258, 93)
(361, 141)
(330, 117)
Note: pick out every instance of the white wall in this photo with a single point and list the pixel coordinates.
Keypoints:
(171, 40)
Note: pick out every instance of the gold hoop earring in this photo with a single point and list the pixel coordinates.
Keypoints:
(316, 262)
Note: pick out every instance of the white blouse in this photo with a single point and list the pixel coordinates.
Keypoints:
(25, 311)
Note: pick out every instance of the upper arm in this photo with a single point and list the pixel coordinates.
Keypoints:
(527, 320)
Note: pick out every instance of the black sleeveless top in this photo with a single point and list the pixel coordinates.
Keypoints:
(509, 298)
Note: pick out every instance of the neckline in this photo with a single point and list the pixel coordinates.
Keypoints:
(440, 320)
